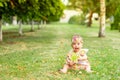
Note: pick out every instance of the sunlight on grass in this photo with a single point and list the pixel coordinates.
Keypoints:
(40, 54)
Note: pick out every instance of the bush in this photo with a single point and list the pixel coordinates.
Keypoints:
(116, 24)
(79, 19)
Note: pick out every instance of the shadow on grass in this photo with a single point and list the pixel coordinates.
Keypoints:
(40, 37)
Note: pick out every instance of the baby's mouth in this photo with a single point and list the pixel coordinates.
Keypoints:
(76, 49)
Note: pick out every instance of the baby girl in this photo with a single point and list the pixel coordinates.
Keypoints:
(77, 57)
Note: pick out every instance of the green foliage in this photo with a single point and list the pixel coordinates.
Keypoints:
(1, 5)
(111, 7)
(85, 5)
(94, 5)
(74, 20)
(52, 10)
(116, 24)
(49, 10)
(79, 19)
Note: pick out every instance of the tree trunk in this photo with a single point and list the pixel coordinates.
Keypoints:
(14, 22)
(0, 30)
(38, 25)
(90, 19)
(102, 18)
(20, 28)
(32, 25)
(44, 23)
(41, 23)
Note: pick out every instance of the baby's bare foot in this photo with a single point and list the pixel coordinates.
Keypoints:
(62, 71)
(90, 71)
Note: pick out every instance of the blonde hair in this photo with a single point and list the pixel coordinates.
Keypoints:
(77, 38)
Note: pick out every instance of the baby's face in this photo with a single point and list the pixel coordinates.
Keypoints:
(76, 46)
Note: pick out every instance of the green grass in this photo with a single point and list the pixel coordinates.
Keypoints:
(39, 55)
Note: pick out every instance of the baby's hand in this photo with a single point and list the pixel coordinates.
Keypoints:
(71, 63)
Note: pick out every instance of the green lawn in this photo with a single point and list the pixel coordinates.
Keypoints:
(39, 55)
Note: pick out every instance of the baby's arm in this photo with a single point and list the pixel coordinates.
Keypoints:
(68, 60)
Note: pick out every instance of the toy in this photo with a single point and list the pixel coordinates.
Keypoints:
(74, 57)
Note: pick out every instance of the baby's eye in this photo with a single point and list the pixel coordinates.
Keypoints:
(78, 43)
(73, 43)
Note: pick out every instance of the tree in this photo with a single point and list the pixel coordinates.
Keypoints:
(112, 12)
(102, 18)
(111, 6)
(51, 10)
(11, 8)
(93, 6)
(0, 30)
(87, 6)
(116, 24)
(3, 4)
(30, 9)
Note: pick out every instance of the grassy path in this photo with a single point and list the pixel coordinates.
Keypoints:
(38, 55)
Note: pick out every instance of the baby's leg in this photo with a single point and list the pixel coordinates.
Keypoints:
(81, 67)
(65, 68)
(88, 68)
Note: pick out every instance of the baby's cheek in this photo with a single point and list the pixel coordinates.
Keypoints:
(81, 45)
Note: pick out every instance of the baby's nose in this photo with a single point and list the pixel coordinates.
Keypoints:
(76, 45)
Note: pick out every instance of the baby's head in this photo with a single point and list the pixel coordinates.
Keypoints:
(77, 43)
